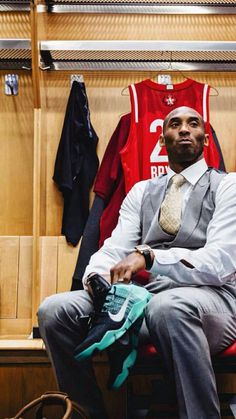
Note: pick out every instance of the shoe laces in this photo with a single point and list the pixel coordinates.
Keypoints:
(113, 302)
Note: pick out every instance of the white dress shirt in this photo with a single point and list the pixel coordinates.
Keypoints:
(214, 264)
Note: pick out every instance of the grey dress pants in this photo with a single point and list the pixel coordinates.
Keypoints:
(186, 324)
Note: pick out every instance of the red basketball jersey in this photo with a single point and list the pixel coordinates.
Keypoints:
(142, 157)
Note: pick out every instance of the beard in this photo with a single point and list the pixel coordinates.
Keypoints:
(178, 153)
(186, 155)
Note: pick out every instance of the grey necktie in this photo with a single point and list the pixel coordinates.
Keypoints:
(170, 215)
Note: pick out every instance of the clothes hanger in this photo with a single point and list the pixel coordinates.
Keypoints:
(171, 68)
(125, 91)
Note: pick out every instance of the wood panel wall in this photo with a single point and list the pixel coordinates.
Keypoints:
(16, 158)
(14, 25)
(57, 262)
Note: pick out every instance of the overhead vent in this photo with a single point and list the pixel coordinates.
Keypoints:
(141, 2)
(142, 6)
(14, 5)
(15, 54)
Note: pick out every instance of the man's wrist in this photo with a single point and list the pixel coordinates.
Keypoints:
(147, 253)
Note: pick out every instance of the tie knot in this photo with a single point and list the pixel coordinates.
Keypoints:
(178, 180)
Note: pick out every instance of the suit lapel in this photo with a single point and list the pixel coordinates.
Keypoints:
(156, 196)
(193, 209)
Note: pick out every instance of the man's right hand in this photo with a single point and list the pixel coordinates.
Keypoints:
(128, 266)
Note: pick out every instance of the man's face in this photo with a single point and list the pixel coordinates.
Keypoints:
(184, 136)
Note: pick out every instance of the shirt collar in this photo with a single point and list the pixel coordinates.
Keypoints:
(193, 173)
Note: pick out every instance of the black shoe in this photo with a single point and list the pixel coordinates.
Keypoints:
(99, 287)
(122, 356)
(124, 304)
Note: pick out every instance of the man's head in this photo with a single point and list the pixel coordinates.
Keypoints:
(184, 137)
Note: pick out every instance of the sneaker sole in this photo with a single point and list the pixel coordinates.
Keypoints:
(127, 365)
(112, 335)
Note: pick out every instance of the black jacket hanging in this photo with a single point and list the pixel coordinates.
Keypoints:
(76, 163)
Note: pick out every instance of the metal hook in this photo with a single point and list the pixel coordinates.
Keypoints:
(45, 68)
(26, 68)
(76, 77)
(11, 84)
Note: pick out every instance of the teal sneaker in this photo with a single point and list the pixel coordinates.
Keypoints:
(124, 304)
